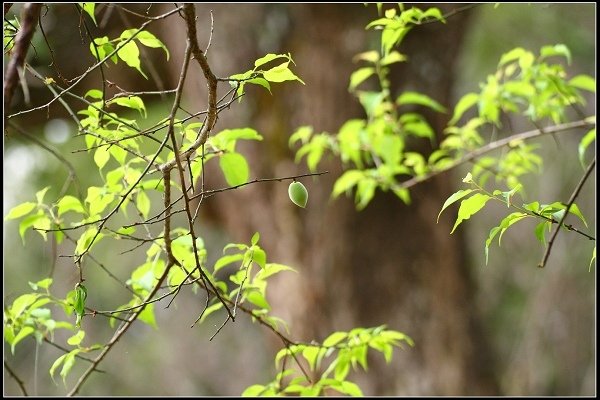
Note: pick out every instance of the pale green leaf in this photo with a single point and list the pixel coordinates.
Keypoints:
(143, 203)
(584, 82)
(420, 99)
(130, 53)
(359, 76)
(76, 339)
(149, 40)
(235, 168)
(70, 203)
(584, 144)
(267, 58)
(466, 102)
(454, 198)
(134, 102)
(20, 210)
(469, 207)
(23, 333)
(101, 156)
(556, 50)
(89, 9)
(281, 73)
(334, 338)
(347, 181)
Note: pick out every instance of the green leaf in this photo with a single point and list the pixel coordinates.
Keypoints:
(20, 210)
(359, 76)
(466, 102)
(347, 181)
(540, 231)
(94, 94)
(29, 221)
(68, 364)
(267, 58)
(469, 207)
(454, 198)
(40, 194)
(584, 144)
(89, 9)
(512, 55)
(86, 238)
(226, 260)
(258, 300)
(134, 102)
(272, 269)
(70, 203)
(593, 258)
(76, 339)
(349, 388)
(310, 353)
(281, 73)
(56, 364)
(101, 156)
(392, 58)
(255, 238)
(130, 53)
(210, 309)
(254, 391)
(556, 50)
(21, 303)
(149, 40)
(420, 99)
(584, 82)
(23, 333)
(334, 338)
(235, 168)
(143, 203)
(575, 211)
(147, 316)
(364, 192)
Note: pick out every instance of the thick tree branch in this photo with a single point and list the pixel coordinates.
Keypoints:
(29, 17)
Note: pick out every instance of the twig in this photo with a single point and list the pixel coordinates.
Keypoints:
(496, 145)
(209, 193)
(585, 176)
(97, 65)
(7, 367)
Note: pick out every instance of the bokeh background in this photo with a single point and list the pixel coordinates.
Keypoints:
(507, 328)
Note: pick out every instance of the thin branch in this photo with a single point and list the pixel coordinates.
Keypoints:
(72, 174)
(208, 193)
(9, 369)
(585, 176)
(95, 66)
(29, 18)
(51, 343)
(496, 145)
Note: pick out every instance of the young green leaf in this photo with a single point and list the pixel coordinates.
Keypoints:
(235, 168)
(469, 207)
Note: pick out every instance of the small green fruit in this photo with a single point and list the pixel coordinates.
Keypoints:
(298, 194)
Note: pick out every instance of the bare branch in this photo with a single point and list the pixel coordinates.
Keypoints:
(585, 176)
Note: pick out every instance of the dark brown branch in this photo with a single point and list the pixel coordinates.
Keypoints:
(208, 193)
(585, 176)
(29, 18)
(6, 366)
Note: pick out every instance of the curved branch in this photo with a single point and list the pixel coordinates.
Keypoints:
(29, 17)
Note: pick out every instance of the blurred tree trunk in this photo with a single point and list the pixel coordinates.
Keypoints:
(389, 264)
